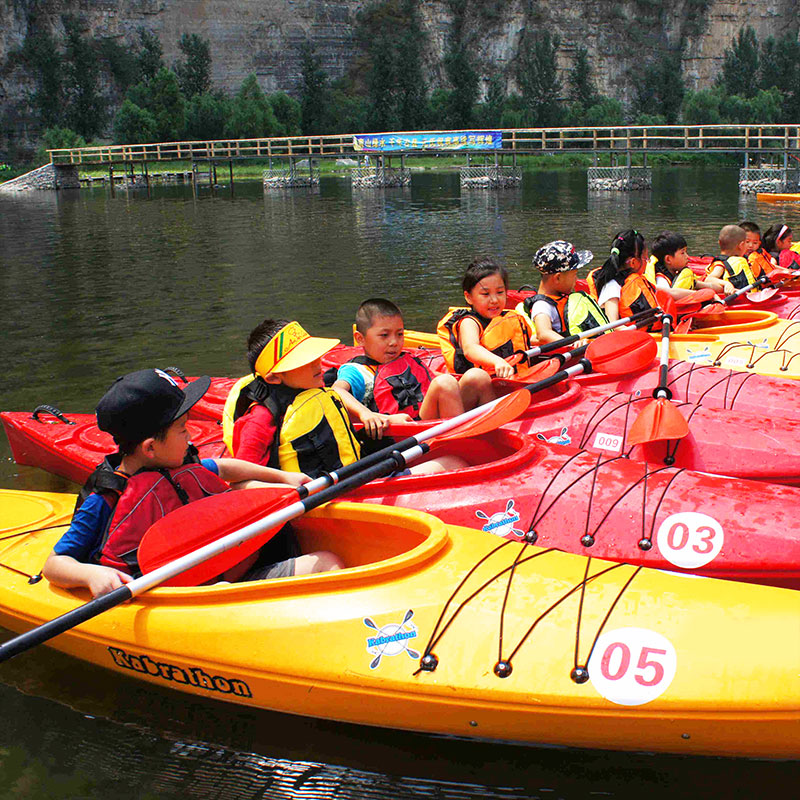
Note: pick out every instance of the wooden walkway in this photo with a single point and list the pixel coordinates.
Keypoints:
(781, 140)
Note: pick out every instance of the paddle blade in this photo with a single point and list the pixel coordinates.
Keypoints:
(195, 525)
(692, 302)
(505, 410)
(658, 420)
(540, 371)
(620, 352)
(762, 295)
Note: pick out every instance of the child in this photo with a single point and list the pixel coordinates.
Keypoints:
(668, 268)
(284, 417)
(152, 474)
(761, 262)
(732, 265)
(778, 242)
(619, 287)
(394, 383)
(556, 310)
(486, 334)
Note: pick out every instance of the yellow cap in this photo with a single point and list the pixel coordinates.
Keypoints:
(291, 347)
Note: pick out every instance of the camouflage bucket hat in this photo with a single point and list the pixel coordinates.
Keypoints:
(560, 256)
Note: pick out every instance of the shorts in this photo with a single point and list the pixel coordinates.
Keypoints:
(276, 558)
(281, 569)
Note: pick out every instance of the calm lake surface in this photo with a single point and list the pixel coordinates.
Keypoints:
(94, 286)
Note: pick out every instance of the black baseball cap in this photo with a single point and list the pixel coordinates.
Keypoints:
(139, 404)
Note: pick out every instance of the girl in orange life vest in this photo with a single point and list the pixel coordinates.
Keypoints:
(485, 334)
(619, 286)
(761, 262)
(778, 242)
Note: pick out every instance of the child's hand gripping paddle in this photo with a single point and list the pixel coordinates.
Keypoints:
(659, 419)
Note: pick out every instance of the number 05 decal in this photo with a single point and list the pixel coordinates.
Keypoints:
(632, 666)
(690, 539)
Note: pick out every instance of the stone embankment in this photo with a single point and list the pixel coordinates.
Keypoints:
(46, 177)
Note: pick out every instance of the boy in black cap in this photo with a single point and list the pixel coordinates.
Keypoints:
(155, 471)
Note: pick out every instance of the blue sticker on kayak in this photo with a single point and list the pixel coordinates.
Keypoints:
(501, 523)
(391, 639)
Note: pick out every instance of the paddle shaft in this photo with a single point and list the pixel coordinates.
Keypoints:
(567, 340)
(744, 290)
(662, 390)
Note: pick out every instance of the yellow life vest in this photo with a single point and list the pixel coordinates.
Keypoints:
(735, 268)
(683, 280)
(503, 336)
(314, 430)
(577, 311)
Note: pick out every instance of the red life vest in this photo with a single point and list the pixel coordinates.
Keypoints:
(399, 386)
(148, 496)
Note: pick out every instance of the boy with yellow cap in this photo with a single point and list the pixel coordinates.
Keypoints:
(283, 416)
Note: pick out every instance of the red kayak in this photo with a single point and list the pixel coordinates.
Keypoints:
(611, 508)
(596, 414)
(72, 445)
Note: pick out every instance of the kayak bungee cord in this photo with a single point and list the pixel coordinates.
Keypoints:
(688, 373)
(38, 576)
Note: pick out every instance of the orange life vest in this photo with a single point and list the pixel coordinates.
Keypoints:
(503, 336)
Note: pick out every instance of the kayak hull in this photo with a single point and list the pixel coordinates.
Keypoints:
(74, 448)
(717, 674)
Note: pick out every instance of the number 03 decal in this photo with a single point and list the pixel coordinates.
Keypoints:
(632, 666)
(690, 539)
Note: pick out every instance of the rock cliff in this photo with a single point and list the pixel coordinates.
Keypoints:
(262, 36)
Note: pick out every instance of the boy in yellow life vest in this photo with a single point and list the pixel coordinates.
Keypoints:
(557, 310)
(731, 265)
(282, 415)
(761, 262)
(668, 268)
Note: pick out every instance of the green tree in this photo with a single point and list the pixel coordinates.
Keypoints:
(780, 67)
(740, 66)
(763, 108)
(659, 87)
(460, 69)
(288, 113)
(491, 110)
(538, 78)
(163, 99)
(56, 138)
(41, 56)
(607, 111)
(349, 110)
(315, 93)
(703, 107)
(134, 125)
(194, 72)
(582, 87)
(207, 115)
(150, 57)
(85, 107)
(252, 116)
(411, 88)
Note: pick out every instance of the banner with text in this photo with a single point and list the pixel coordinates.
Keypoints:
(450, 140)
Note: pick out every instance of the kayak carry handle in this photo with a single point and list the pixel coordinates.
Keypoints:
(177, 372)
(47, 409)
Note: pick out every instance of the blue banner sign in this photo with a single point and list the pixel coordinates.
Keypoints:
(447, 140)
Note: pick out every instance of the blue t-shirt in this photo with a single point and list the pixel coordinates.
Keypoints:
(83, 538)
(361, 379)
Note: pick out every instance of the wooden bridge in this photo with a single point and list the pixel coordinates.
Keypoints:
(750, 140)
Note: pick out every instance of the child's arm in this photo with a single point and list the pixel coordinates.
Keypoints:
(374, 423)
(715, 280)
(236, 471)
(611, 309)
(69, 573)
(469, 336)
(544, 329)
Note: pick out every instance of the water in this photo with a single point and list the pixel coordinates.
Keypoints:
(93, 286)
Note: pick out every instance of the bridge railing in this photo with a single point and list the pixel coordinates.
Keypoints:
(648, 138)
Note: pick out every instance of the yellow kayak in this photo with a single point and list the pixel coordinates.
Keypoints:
(429, 629)
(746, 341)
(773, 197)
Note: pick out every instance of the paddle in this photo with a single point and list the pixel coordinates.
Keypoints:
(660, 419)
(717, 309)
(240, 515)
(641, 318)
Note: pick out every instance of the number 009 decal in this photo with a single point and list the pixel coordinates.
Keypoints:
(632, 666)
(689, 539)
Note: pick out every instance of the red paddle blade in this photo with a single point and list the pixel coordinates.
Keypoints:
(620, 352)
(540, 371)
(666, 302)
(504, 410)
(195, 525)
(763, 295)
(658, 420)
(684, 326)
(696, 298)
